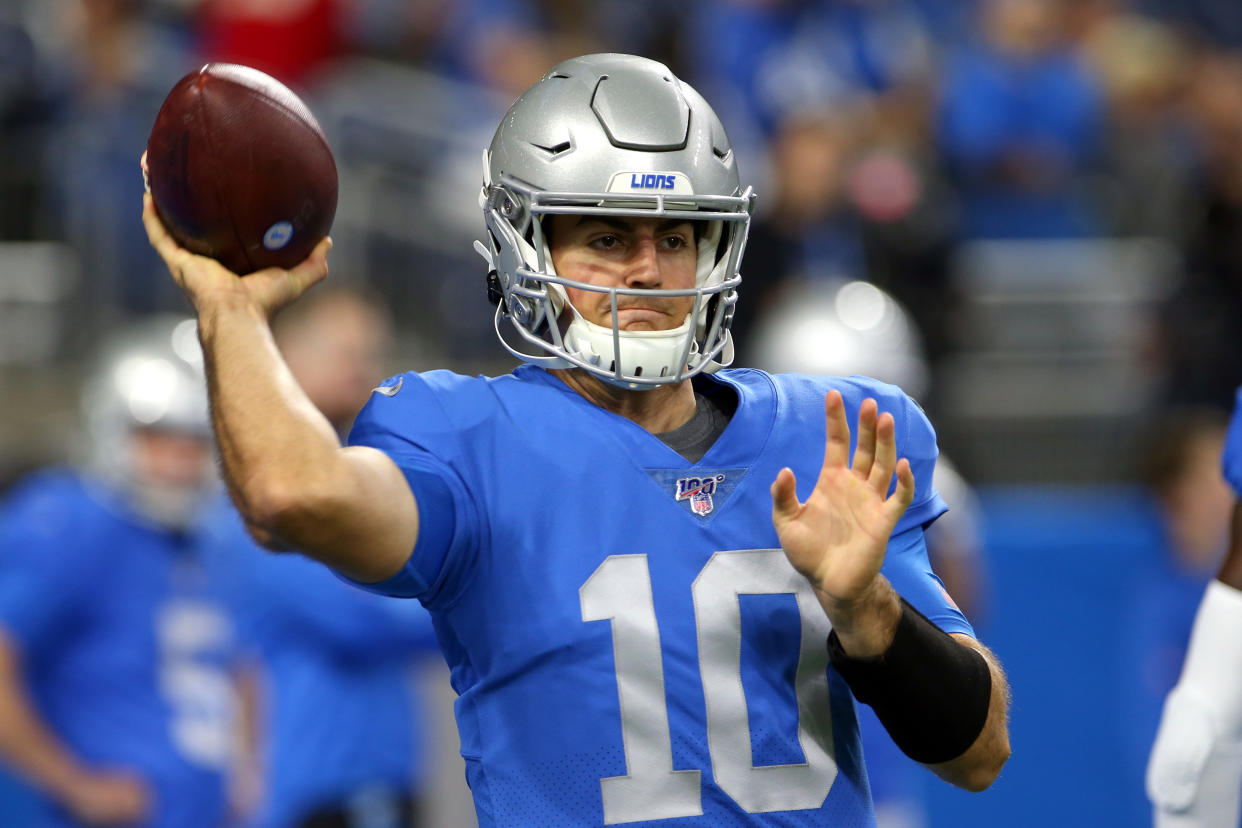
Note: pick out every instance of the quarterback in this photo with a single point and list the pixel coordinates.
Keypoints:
(660, 585)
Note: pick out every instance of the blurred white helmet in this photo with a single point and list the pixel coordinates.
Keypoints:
(614, 135)
(835, 327)
(150, 377)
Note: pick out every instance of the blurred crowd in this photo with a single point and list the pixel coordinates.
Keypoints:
(1043, 196)
(887, 139)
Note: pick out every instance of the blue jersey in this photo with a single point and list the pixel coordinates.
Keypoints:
(123, 649)
(338, 714)
(1231, 462)
(628, 640)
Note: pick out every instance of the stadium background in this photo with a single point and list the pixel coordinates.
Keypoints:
(1052, 188)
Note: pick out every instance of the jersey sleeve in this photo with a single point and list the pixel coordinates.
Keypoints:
(410, 426)
(916, 441)
(44, 569)
(907, 568)
(1231, 460)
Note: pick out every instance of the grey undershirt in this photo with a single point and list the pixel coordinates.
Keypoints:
(711, 416)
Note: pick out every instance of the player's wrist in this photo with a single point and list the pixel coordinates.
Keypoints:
(931, 693)
(865, 625)
(218, 309)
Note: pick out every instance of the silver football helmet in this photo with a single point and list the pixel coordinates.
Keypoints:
(836, 327)
(614, 135)
(149, 377)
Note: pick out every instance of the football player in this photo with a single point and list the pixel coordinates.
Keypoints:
(115, 699)
(659, 585)
(1194, 775)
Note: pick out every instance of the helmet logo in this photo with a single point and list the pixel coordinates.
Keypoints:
(642, 182)
(652, 181)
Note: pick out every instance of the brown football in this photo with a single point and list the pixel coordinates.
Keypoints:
(240, 170)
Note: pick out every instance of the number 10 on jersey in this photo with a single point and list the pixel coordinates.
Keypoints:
(620, 591)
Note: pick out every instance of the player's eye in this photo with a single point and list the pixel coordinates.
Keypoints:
(676, 242)
(607, 241)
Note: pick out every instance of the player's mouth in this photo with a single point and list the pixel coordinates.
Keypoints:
(644, 318)
(629, 316)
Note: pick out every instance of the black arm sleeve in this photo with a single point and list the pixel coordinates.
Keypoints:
(931, 693)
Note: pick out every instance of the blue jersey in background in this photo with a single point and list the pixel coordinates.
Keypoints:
(628, 640)
(124, 650)
(338, 715)
(1231, 461)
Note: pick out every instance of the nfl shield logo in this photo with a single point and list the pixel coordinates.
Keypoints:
(702, 493)
(699, 491)
(701, 502)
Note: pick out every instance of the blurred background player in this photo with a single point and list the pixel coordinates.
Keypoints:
(335, 735)
(115, 705)
(1194, 777)
(832, 326)
(1188, 510)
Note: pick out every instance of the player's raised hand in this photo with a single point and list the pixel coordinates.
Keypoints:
(206, 281)
(838, 537)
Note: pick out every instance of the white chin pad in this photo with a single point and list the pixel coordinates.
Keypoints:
(642, 353)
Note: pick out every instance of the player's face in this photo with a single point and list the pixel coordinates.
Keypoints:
(167, 458)
(644, 253)
(338, 357)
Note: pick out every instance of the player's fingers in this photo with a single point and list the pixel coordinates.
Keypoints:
(900, 499)
(864, 451)
(165, 245)
(156, 233)
(313, 269)
(837, 442)
(885, 454)
(784, 496)
(276, 287)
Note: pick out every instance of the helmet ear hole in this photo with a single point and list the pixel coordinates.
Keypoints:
(495, 293)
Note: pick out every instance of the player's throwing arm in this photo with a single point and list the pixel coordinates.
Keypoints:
(283, 462)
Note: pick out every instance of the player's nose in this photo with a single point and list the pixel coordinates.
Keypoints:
(644, 266)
